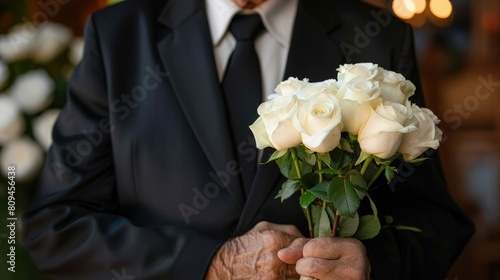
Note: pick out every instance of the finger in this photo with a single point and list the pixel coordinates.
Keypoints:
(317, 268)
(290, 229)
(307, 278)
(332, 248)
(293, 252)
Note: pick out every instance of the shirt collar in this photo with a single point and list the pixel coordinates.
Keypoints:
(277, 16)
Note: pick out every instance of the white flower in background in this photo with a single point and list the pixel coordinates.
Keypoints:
(76, 51)
(51, 40)
(42, 127)
(4, 73)
(11, 120)
(25, 155)
(427, 135)
(19, 43)
(33, 91)
(274, 127)
(319, 121)
(382, 133)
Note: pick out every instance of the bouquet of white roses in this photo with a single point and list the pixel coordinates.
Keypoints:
(333, 139)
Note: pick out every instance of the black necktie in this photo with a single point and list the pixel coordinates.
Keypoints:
(242, 88)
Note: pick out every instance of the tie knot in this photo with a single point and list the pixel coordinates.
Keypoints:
(246, 27)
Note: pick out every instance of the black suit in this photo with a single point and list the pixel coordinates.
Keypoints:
(143, 194)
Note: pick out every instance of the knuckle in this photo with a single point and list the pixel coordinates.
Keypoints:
(309, 267)
(262, 225)
(311, 247)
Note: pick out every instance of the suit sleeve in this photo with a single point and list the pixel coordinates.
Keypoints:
(74, 229)
(417, 197)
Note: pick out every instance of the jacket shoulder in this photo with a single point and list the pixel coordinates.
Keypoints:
(354, 13)
(130, 11)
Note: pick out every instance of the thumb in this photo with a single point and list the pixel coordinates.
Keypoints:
(293, 252)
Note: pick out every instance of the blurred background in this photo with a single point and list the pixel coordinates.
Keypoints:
(458, 47)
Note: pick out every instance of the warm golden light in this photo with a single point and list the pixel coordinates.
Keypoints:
(441, 8)
(409, 5)
(401, 10)
(420, 6)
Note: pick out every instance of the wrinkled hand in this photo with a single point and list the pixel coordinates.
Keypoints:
(328, 258)
(254, 254)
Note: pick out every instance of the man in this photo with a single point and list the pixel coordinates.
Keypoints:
(142, 180)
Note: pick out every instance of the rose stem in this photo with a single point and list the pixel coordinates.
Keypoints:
(336, 224)
(302, 190)
(367, 162)
(379, 171)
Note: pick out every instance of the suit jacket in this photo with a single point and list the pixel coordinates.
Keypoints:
(141, 181)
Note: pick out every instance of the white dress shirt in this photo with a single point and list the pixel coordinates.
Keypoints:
(272, 45)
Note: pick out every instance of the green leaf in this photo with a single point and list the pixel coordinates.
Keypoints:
(386, 161)
(348, 226)
(315, 216)
(361, 192)
(344, 196)
(325, 158)
(288, 189)
(373, 206)
(359, 182)
(345, 145)
(362, 157)
(305, 156)
(306, 199)
(285, 164)
(276, 155)
(309, 180)
(325, 229)
(389, 219)
(336, 157)
(369, 227)
(417, 160)
(330, 211)
(389, 173)
(408, 228)
(328, 171)
(321, 191)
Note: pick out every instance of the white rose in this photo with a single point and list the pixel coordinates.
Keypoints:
(427, 135)
(357, 98)
(51, 40)
(33, 91)
(76, 51)
(382, 133)
(365, 71)
(11, 120)
(42, 127)
(395, 88)
(319, 121)
(4, 74)
(291, 86)
(276, 121)
(25, 155)
(312, 89)
(259, 131)
(19, 43)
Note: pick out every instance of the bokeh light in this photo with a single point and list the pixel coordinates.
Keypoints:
(441, 8)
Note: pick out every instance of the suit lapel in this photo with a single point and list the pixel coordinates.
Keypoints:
(312, 55)
(186, 53)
